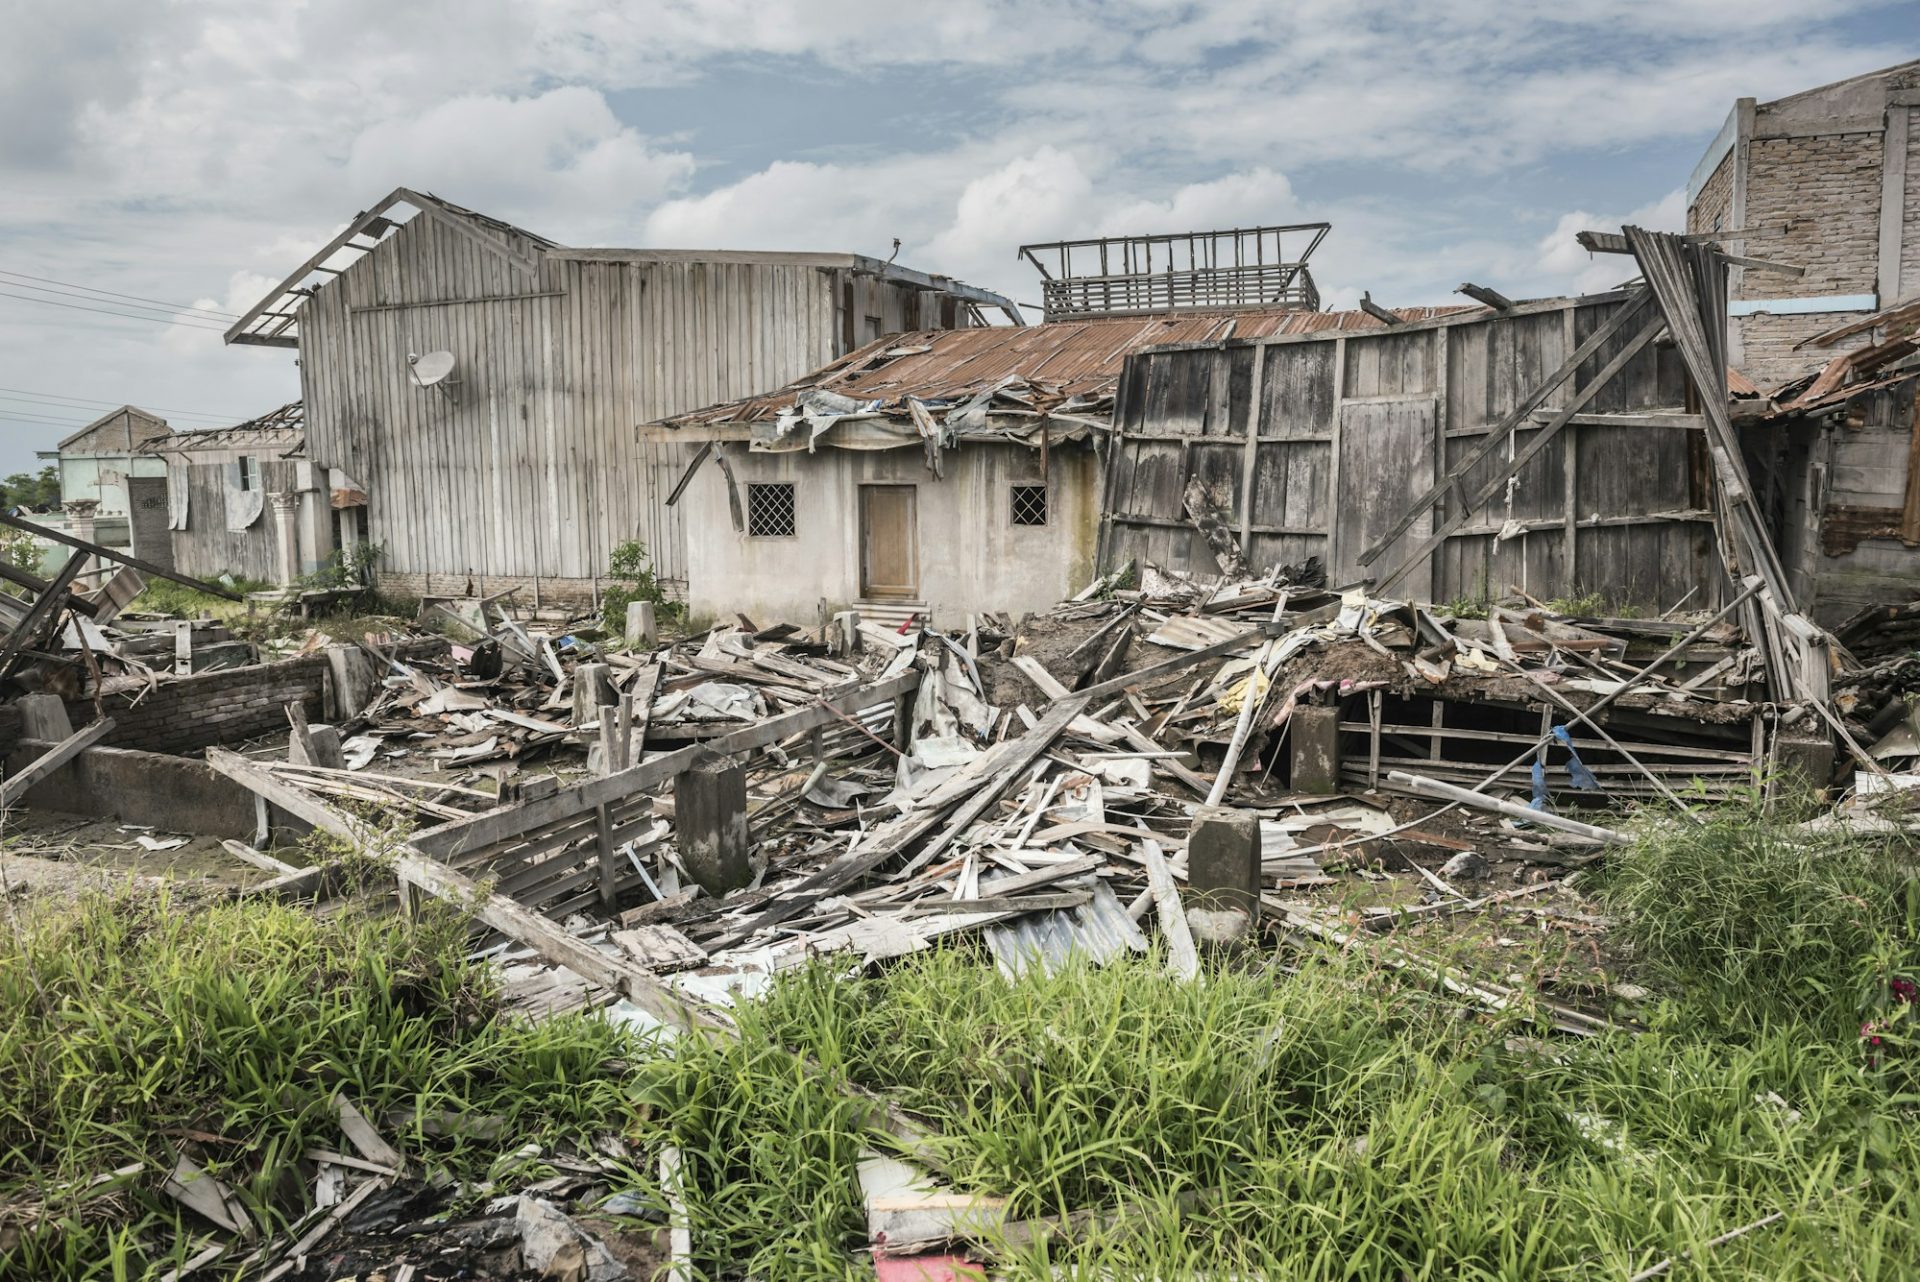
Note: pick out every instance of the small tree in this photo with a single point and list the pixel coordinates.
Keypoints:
(633, 579)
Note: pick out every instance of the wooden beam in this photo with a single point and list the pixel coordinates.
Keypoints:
(1491, 297)
(115, 555)
(40, 613)
(1378, 312)
(495, 826)
(52, 759)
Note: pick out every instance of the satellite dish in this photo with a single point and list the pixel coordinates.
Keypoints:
(432, 368)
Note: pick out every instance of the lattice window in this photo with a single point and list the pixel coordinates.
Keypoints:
(770, 511)
(1029, 505)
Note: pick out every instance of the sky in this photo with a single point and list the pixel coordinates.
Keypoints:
(163, 164)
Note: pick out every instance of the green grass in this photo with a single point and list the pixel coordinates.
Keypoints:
(1307, 1116)
(128, 1020)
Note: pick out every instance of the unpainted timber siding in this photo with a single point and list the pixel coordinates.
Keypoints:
(206, 548)
(1844, 486)
(1614, 510)
(530, 468)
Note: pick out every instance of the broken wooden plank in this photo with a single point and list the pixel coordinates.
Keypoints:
(1480, 801)
(360, 1133)
(1183, 959)
(52, 759)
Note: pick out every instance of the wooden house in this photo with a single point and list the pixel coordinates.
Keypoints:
(483, 382)
(244, 500)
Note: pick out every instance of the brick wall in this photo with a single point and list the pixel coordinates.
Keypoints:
(1910, 223)
(1767, 345)
(213, 708)
(1712, 209)
(573, 592)
(1826, 190)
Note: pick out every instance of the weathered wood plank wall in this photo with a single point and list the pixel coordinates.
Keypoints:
(1322, 440)
(531, 469)
(206, 548)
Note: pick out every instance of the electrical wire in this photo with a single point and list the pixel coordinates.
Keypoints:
(185, 322)
(48, 401)
(137, 298)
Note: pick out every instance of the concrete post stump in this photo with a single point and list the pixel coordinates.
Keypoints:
(710, 815)
(1223, 876)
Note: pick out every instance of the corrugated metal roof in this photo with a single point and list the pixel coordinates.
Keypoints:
(1062, 360)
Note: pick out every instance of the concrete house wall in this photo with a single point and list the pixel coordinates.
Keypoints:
(972, 557)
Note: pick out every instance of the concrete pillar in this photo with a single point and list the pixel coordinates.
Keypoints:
(592, 691)
(710, 815)
(315, 526)
(354, 680)
(1314, 735)
(81, 514)
(843, 633)
(1223, 875)
(324, 742)
(285, 507)
(643, 632)
(44, 717)
(1801, 764)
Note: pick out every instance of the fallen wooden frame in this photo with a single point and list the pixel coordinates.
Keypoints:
(51, 760)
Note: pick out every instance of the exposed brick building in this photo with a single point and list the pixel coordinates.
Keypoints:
(1829, 180)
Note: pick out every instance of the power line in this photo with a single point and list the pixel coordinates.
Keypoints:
(44, 400)
(48, 422)
(165, 310)
(137, 298)
(188, 322)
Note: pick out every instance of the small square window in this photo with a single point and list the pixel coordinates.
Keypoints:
(246, 471)
(1029, 505)
(770, 511)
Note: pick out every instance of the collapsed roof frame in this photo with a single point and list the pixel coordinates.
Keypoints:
(270, 322)
(1236, 267)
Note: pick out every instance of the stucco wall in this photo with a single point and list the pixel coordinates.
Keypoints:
(972, 557)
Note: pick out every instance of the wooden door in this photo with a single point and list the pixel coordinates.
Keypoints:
(1386, 461)
(889, 543)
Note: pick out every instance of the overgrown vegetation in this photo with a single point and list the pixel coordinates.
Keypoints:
(631, 578)
(347, 567)
(1323, 1118)
(133, 1026)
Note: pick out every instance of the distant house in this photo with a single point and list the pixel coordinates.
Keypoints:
(105, 465)
(243, 500)
(483, 382)
(1827, 180)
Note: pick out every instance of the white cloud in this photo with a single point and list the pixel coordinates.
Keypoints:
(562, 157)
(201, 151)
(1559, 257)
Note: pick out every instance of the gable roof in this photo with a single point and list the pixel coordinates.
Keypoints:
(134, 425)
(272, 322)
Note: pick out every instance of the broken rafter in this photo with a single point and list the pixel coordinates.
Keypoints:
(1481, 294)
(117, 556)
(1379, 313)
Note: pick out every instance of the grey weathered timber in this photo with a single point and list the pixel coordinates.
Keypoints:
(710, 817)
(498, 825)
(117, 556)
(1614, 506)
(1480, 801)
(1313, 734)
(51, 760)
(1525, 455)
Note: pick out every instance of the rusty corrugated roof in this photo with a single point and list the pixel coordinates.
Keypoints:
(1064, 359)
